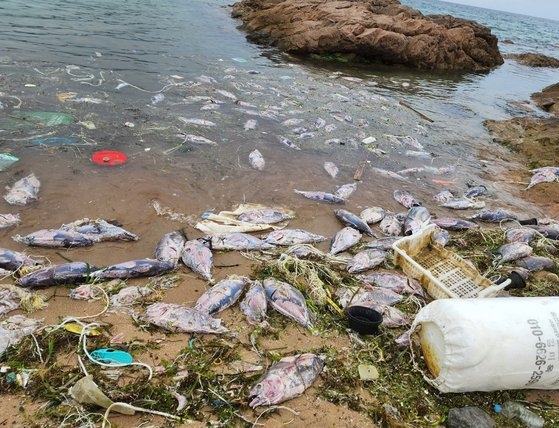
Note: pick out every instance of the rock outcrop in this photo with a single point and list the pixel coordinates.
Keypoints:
(534, 59)
(382, 31)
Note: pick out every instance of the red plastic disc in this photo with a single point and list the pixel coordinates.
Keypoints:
(109, 158)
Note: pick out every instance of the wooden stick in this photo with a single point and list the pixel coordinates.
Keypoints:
(405, 104)
(359, 170)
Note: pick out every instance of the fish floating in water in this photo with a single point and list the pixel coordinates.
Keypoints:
(256, 160)
(322, 196)
(23, 191)
(287, 142)
(180, 318)
(67, 273)
(407, 139)
(286, 379)
(196, 121)
(54, 238)
(222, 295)
(134, 269)
(100, 230)
(198, 257)
(331, 169)
(250, 124)
(287, 300)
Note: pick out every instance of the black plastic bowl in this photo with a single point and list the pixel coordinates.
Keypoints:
(363, 320)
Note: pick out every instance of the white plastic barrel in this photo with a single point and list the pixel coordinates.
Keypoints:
(490, 344)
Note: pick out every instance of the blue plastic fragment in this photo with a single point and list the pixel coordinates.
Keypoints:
(111, 356)
(497, 408)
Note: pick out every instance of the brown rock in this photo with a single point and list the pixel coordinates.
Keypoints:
(375, 30)
(548, 99)
(534, 60)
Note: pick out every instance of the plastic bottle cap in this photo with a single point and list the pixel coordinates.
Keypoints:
(109, 158)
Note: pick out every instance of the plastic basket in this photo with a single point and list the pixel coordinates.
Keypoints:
(442, 273)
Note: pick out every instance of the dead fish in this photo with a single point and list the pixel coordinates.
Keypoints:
(365, 260)
(475, 191)
(100, 230)
(292, 237)
(321, 196)
(197, 139)
(199, 258)
(170, 247)
(370, 297)
(494, 216)
(254, 305)
(319, 123)
(67, 273)
(287, 300)
(406, 139)
(391, 225)
(250, 124)
(549, 231)
(344, 239)
(236, 241)
(418, 154)
(256, 160)
(443, 196)
(331, 169)
(440, 236)
(382, 243)
(372, 215)
(288, 378)
(389, 174)
(352, 220)
(226, 94)
(393, 317)
(456, 224)
(265, 216)
(543, 175)
(134, 269)
(196, 121)
(54, 238)
(330, 127)
(443, 170)
(292, 122)
(156, 99)
(222, 295)
(299, 130)
(346, 190)
(13, 260)
(287, 142)
(520, 234)
(397, 282)
(180, 318)
(463, 204)
(512, 251)
(416, 219)
(23, 191)
(406, 198)
(536, 263)
(9, 220)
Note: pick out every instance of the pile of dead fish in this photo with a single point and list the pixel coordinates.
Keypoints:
(379, 289)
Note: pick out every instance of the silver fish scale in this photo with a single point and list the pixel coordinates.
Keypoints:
(391, 225)
(352, 220)
(237, 241)
(254, 305)
(180, 318)
(513, 251)
(199, 258)
(344, 239)
(222, 295)
(365, 260)
(292, 236)
(23, 191)
(288, 378)
(170, 247)
(372, 215)
(287, 300)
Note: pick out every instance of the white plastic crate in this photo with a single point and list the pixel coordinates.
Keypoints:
(442, 273)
